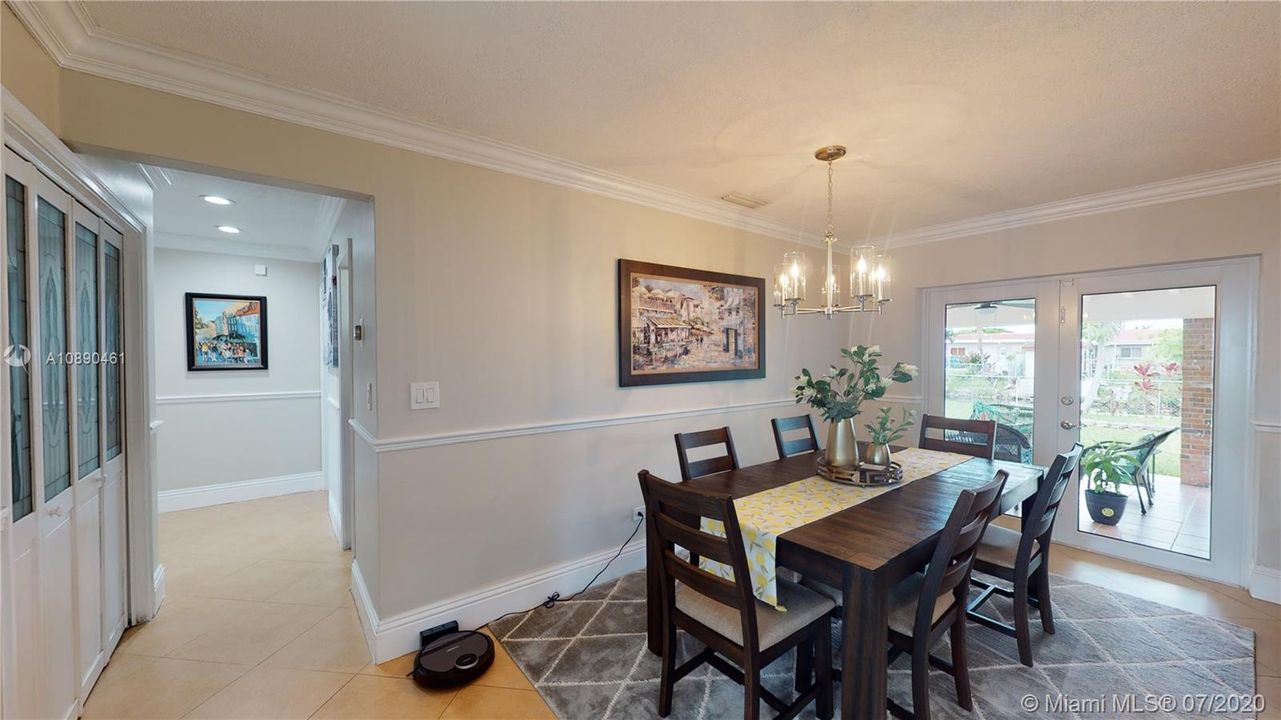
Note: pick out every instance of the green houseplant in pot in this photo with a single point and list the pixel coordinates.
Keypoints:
(1106, 468)
(881, 432)
(839, 396)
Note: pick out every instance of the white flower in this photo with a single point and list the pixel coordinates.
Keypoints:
(911, 370)
(874, 349)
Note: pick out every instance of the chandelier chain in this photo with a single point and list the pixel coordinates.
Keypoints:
(831, 227)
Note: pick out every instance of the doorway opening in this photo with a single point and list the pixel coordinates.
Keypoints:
(252, 387)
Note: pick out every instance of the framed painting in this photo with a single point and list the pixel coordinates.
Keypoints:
(226, 332)
(680, 325)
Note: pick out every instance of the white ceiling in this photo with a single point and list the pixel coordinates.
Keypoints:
(274, 221)
(950, 110)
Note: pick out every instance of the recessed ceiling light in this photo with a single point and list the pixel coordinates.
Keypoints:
(232, 229)
(216, 199)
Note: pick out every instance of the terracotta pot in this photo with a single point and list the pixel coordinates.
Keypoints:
(842, 449)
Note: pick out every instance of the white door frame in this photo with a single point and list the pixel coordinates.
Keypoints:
(26, 135)
(1231, 543)
(1044, 388)
(1234, 544)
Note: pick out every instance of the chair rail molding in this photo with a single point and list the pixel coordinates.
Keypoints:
(1266, 426)
(237, 397)
(415, 442)
(67, 32)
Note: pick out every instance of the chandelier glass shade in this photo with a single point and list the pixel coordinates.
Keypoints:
(869, 269)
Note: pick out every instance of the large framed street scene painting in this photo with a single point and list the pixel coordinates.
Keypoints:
(679, 325)
(226, 332)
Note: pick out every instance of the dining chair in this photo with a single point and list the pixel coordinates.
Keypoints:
(797, 445)
(741, 634)
(964, 437)
(1023, 559)
(927, 605)
(703, 438)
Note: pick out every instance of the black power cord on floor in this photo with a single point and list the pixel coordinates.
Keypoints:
(555, 597)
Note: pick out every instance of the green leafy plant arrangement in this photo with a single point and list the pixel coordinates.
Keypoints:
(1108, 467)
(840, 394)
(884, 431)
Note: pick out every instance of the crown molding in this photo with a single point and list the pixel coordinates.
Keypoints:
(1215, 182)
(70, 37)
(219, 246)
(67, 32)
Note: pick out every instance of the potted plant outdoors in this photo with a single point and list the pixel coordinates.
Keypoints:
(1107, 468)
(839, 396)
(883, 431)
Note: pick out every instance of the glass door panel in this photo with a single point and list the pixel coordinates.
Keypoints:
(112, 344)
(1147, 399)
(53, 345)
(17, 353)
(989, 371)
(86, 260)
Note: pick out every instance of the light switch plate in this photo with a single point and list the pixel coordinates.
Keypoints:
(424, 395)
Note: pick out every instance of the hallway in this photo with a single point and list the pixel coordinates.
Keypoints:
(259, 622)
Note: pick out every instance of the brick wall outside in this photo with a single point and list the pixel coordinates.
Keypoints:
(1198, 400)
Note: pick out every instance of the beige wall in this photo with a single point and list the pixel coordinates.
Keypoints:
(28, 71)
(1220, 226)
(502, 289)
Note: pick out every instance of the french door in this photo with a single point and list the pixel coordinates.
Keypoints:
(1156, 373)
(1149, 369)
(65, 563)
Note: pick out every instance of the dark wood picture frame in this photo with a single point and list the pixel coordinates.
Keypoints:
(627, 377)
(190, 337)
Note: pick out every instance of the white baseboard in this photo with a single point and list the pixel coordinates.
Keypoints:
(158, 583)
(392, 637)
(1265, 584)
(206, 495)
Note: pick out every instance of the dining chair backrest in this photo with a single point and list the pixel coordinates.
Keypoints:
(965, 437)
(674, 512)
(1045, 506)
(796, 445)
(1011, 445)
(949, 568)
(703, 438)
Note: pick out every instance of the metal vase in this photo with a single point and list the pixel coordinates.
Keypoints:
(842, 449)
(878, 454)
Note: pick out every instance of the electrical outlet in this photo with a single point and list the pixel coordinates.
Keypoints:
(638, 513)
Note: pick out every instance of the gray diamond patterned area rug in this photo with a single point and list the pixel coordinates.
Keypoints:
(587, 657)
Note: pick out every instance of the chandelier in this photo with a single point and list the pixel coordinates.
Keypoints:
(869, 276)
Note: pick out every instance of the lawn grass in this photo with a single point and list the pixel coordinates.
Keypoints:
(1135, 427)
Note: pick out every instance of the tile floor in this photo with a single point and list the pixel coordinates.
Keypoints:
(1179, 520)
(259, 623)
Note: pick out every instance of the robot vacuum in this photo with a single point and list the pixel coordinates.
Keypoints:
(453, 658)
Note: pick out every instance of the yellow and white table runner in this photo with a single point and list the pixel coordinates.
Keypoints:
(766, 515)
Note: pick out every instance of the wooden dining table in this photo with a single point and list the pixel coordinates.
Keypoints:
(863, 550)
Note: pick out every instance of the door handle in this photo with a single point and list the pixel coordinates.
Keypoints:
(1067, 424)
(55, 511)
